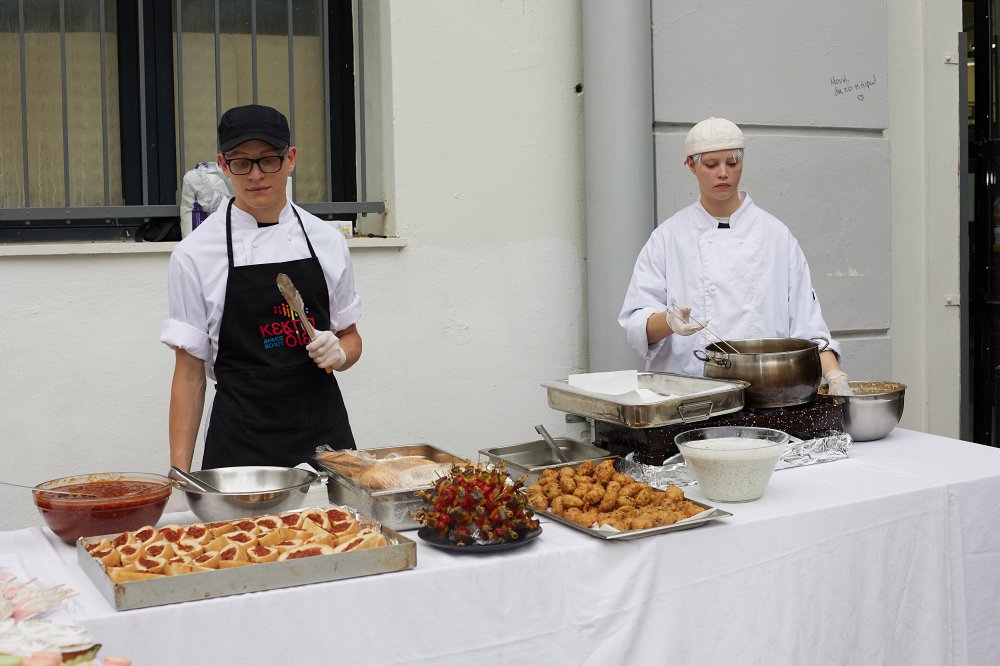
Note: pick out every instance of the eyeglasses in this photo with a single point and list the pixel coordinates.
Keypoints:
(241, 166)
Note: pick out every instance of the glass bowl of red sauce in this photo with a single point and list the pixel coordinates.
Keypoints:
(123, 501)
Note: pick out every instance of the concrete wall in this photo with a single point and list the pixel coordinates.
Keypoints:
(477, 149)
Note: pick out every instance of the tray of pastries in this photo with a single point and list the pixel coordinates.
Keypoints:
(608, 504)
(153, 566)
(382, 482)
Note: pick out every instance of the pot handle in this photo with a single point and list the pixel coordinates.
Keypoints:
(718, 358)
(689, 411)
(826, 343)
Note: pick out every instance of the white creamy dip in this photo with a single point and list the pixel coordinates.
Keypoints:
(732, 469)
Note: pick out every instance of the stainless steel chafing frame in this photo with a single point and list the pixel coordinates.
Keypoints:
(699, 399)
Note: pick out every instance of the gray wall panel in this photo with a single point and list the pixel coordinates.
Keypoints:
(771, 62)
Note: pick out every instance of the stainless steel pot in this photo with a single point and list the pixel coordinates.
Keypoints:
(781, 371)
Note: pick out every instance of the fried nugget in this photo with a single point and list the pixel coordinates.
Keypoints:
(570, 501)
(642, 522)
(585, 469)
(623, 479)
(632, 489)
(624, 500)
(605, 471)
(566, 471)
(610, 499)
(644, 497)
(557, 505)
(567, 484)
(594, 495)
(552, 491)
(674, 493)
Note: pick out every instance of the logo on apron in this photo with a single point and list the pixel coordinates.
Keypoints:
(284, 332)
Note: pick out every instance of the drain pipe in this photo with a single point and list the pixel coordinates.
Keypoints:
(618, 144)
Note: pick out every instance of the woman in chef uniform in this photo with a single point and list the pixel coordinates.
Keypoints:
(276, 398)
(724, 262)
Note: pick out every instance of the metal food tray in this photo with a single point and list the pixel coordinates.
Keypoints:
(399, 555)
(390, 507)
(699, 399)
(608, 535)
(531, 458)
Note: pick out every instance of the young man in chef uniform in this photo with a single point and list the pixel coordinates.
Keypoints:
(276, 398)
(723, 262)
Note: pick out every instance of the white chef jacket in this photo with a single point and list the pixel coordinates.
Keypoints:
(199, 272)
(748, 281)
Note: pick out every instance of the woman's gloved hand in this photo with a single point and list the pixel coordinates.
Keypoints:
(678, 319)
(326, 351)
(836, 383)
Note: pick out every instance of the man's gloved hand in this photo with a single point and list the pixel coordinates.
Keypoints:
(678, 319)
(326, 351)
(836, 383)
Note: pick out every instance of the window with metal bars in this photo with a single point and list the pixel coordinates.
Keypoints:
(111, 102)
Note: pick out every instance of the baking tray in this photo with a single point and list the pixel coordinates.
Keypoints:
(392, 507)
(638, 534)
(399, 555)
(529, 459)
(699, 398)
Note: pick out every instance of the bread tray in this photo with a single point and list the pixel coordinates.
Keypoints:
(711, 513)
(400, 554)
(696, 399)
(391, 507)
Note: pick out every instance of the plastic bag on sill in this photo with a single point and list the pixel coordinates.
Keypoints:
(204, 189)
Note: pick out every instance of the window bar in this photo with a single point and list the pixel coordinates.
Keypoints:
(142, 104)
(326, 98)
(104, 109)
(24, 101)
(253, 45)
(181, 164)
(65, 106)
(218, 65)
(360, 49)
(291, 87)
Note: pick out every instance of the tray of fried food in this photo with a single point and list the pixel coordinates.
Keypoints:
(608, 504)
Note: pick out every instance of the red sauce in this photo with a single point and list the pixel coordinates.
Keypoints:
(241, 537)
(154, 551)
(340, 527)
(196, 531)
(171, 535)
(111, 488)
(116, 510)
(337, 515)
(245, 525)
(305, 552)
(353, 544)
(204, 558)
(290, 519)
(261, 551)
(228, 554)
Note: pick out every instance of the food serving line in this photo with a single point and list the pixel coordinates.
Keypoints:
(888, 556)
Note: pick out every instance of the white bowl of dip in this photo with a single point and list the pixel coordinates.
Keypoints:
(732, 463)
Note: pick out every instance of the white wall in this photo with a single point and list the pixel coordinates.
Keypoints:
(480, 156)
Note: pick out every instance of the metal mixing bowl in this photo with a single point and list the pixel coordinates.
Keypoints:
(248, 491)
(873, 411)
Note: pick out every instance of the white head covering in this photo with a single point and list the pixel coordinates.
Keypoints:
(711, 135)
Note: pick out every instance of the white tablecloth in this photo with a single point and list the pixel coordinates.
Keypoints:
(889, 557)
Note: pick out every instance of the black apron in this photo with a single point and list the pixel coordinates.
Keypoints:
(273, 404)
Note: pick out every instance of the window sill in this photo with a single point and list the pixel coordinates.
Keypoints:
(131, 247)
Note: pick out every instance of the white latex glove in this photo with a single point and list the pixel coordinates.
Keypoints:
(679, 321)
(326, 351)
(836, 383)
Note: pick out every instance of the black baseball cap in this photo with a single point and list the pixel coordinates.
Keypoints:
(253, 121)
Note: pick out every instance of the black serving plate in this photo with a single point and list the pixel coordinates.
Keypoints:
(430, 537)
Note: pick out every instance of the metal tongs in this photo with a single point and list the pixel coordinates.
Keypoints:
(704, 327)
(294, 300)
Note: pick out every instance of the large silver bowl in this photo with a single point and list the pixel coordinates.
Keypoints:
(873, 411)
(248, 491)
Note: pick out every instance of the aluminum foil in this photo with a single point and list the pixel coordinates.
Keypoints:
(825, 446)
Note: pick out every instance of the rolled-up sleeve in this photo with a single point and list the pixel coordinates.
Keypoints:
(186, 326)
(345, 304)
